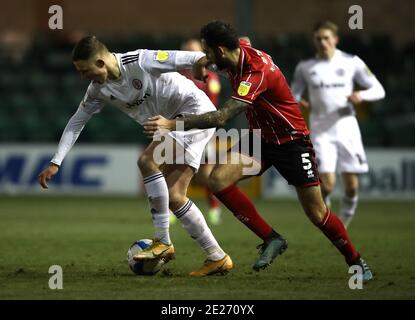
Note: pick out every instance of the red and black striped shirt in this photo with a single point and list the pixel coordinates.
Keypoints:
(273, 109)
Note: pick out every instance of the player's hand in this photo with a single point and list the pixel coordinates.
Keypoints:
(47, 174)
(304, 103)
(158, 124)
(199, 69)
(355, 98)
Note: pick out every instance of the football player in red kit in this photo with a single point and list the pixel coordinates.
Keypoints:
(261, 91)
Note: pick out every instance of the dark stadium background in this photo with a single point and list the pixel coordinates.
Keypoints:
(88, 236)
(40, 88)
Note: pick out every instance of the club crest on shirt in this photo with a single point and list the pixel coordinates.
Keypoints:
(161, 56)
(244, 88)
(137, 84)
(340, 72)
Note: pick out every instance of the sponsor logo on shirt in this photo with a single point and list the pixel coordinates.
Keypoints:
(340, 72)
(161, 56)
(138, 101)
(244, 88)
(137, 84)
(323, 85)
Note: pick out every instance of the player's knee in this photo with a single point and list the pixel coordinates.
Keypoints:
(145, 162)
(350, 192)
(316, 215)
(216, 182)
(315, 210)
(327, 188)
(176, 199)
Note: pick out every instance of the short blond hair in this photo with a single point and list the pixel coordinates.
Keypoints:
(326, 24)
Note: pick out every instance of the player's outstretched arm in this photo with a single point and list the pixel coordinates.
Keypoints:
(157, 62)
(203, 121)
(47, 174)
(69, 136)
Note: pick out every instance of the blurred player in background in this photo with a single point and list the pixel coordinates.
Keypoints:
(140, 83)
(261, 91)
(211, 86)
(329, 79)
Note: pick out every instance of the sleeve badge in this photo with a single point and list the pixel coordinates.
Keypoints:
(244, 88)
(161, 56)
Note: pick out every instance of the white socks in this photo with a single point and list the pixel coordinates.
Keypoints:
(195, 224)
(348, 209)
(190, 216)
(158, 198)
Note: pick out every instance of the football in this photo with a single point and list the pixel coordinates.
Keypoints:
(143, 267)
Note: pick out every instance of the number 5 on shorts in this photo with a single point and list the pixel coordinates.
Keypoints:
(305, 159)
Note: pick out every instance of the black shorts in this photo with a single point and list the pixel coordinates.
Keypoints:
(294, 160)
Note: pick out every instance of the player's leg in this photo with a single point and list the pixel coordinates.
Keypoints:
(352, 161)
(157, 193)
(222, 182)
(332, 227)
(181, 155)
(350, 197)
(214, 214)
(326, 155)
(297, 164)
(158, 198)
(178, 178)
(328, 183)
(202, 178)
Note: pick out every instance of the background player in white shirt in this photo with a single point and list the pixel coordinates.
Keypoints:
(140, 83)
(329, 79)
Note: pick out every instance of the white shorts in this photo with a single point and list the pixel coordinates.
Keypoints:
(193, 142)
(182, 147)
(340, 147)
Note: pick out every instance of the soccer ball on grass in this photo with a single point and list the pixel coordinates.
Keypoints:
(143, 267)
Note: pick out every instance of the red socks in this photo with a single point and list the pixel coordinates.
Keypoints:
(243, 208)
(334, 229)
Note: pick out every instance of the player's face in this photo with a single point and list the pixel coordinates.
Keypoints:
(325, 42)
(214, 56)
(92, 69)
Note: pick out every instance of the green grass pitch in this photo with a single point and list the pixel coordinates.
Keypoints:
(89, 237)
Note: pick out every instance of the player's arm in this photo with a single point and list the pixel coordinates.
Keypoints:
(70, 134)
(298, 86)
(203, 121)
(160, 61)
(366, 79)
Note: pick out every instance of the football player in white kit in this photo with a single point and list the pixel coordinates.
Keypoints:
(329, 79)
(140, 83)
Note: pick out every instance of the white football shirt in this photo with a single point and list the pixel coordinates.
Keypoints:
(330, 82)
(148, 86)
